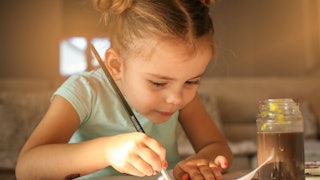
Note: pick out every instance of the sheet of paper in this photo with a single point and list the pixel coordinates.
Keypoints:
(227, 176)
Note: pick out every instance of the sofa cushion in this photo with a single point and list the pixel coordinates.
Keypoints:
(20, 112)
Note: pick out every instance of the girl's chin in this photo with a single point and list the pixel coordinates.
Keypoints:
(156, 118)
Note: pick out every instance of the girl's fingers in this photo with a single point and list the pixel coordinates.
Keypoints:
(222, 162)
(199, 169)
(178, 172)
(151, 155)
(137, 154)
(150, 158)
(185, 176)
(129, 169)
(217, 173)
(206, 172)
(156, 147)
(142, 166)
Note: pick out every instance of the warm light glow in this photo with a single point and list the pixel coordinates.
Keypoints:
(73, 58)
(101, 44)
(72, 55)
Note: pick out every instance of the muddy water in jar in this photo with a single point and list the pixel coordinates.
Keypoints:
(288, 163)
(280, 130)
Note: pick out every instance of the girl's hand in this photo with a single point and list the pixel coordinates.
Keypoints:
(200, 168)
(136, 153)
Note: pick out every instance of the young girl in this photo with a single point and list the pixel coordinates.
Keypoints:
(159, 51)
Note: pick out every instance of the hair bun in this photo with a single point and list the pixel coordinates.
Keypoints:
(113, 6)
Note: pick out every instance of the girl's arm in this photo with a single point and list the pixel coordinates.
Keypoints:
(47, 154)
(210, 145)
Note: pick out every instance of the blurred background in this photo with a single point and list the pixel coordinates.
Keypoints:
(264, 48)
(40, 38)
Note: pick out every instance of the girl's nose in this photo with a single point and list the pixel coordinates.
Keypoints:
(174, 98)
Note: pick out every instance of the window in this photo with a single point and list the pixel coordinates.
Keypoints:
(75, 56)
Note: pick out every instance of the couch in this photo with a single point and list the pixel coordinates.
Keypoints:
(231, 102)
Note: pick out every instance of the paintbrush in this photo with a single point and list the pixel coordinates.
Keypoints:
(123, 101)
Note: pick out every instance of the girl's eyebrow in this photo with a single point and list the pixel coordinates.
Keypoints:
(160, 76)
(170, 78)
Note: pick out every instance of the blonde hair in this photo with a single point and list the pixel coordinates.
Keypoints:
(127, 20)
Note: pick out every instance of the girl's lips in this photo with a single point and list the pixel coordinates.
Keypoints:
(165, 113)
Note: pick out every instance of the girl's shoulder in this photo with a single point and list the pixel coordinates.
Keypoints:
(92, 81)
(87, 92)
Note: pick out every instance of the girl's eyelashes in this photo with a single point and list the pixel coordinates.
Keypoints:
(196, 82)
(157, 84)
(162, 84)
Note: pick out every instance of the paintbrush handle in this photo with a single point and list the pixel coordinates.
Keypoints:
(123, 101)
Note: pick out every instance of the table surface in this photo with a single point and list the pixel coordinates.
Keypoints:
(227, 176)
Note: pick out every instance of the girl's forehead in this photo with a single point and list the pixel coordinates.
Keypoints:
(149, 49)
(172, 59)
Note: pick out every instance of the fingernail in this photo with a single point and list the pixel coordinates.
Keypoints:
(185, 177)
(165, 165)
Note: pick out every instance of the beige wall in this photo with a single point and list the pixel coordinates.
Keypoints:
(30, 31)
(254, 38)
(267, 38)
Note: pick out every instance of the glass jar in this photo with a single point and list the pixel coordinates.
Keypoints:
(280, 135)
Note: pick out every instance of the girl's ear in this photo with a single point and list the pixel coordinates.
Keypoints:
(114, 63)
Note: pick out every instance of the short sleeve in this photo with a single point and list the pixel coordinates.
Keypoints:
(78, 92)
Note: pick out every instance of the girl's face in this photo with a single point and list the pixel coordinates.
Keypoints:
(160, 81)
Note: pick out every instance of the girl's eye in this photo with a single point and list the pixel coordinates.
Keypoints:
(197, 82)
(157, 84)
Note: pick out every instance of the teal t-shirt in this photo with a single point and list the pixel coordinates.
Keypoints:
(101, 114)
